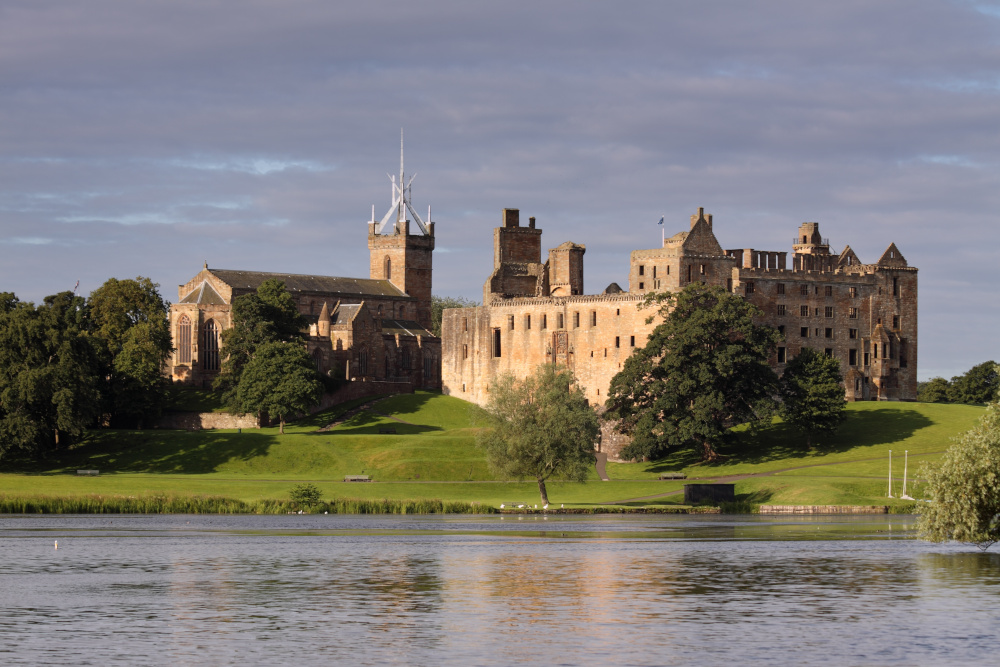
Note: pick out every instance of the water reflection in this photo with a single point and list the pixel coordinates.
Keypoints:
(449, 590)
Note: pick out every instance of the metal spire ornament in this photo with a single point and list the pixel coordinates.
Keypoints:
(401, 193)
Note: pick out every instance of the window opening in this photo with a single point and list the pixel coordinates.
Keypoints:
(184, 340)
(211, 346)
(496, 342)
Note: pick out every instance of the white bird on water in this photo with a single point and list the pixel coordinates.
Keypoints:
(545, 506)
(501, 505)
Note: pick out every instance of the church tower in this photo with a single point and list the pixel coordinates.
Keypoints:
(401, 246)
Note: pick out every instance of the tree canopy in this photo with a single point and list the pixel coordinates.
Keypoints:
(702, 371)
(267, 316)
(49, 369)
(129, 317)
(440, 303)
(978, 385)
(279, 381)
(964, 488)
(539, 427)
(812, 393)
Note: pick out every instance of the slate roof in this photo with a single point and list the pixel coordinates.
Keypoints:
(204, 294)
(405, 328)
(250, 280)
(344, 313)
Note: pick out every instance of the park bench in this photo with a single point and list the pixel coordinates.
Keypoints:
(357, 478)
(88, 473)
(386, 429)
(673, 475)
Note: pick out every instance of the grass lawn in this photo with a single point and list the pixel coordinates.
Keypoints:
(432, 455)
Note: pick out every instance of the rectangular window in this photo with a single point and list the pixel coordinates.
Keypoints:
(702, 269)
(852, 334)
(642, 270)
(804, 332)
(866, 359)
(781, 288)
(781, 330)
(465, 324)
(654, 271)
(852, 313)
(781, 355)
(689, 273)
(829, 332)
(895, 321)
(828, 311)
(593, 318)
(817, 312)
(829, 290)
(559, 321)
(852, 357)
(804, 311)
(804, 290)
(631, 341)
(496, 342)
(875, 351)
(642, 285)
(781, 310)
(749, 287)
(895, 286)
(545, 321)
(465, 351)
(828, 352)
(617, 342)
(576, 320)
(854, 292)
(527, 322)
(510, 322)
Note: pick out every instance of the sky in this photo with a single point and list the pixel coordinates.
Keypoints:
(146, 138)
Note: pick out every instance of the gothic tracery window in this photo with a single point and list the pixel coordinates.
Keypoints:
(184, 340)
(210, 347)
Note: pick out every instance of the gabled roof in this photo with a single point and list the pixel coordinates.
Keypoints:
(204, 294)
(701, 240)
(892, 257)
(613, 288)
(345, 313)
(294, 282)
(405, 328)
(848, 257)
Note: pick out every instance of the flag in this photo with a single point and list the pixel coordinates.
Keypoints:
(661, 220)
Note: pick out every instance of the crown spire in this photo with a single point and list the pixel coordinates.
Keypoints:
(401, 206)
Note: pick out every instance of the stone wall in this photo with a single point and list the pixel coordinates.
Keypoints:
(196, 421)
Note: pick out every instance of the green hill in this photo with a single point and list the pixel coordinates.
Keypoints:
(432, 454)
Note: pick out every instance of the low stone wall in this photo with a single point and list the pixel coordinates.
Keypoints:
(196, 421)
(824, 509)
(350, 391)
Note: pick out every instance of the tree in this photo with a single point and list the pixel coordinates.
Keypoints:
(935, 390)
(539, 427)
(812, 393)
(267, 316)
(440, 303)
(48, 373)
(130, 318)
(280, 380)
(964, 488)
(702, 371)
(305, 495)
(977, 385)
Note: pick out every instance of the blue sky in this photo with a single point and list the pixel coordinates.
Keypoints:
(146, 138)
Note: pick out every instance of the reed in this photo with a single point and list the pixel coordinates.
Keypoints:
(154, 504)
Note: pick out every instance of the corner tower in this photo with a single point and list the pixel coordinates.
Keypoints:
(401, 246)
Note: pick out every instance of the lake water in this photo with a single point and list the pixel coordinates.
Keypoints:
(649, 590)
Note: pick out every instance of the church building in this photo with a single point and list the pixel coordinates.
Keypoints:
(374, 329)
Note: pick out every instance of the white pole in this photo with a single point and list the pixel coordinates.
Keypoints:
(906, 460)
(890, 473)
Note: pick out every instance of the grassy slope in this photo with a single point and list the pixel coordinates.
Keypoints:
(437, 445)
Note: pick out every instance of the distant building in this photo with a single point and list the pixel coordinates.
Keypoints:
(374, 329)
(864, 315)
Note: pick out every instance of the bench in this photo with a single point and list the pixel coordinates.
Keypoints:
(386, 429)
(88, 473)
(673, 475)
(357, 478)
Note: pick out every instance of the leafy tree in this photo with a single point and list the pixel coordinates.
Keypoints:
(964, 488)
(440, 303)
(267, 316)
(130, 318)
(812, 393)
(935, 390)
(702, 371)
(305, 494)
(977, 385)
(48, 373)
(539, 427)
(280, 380)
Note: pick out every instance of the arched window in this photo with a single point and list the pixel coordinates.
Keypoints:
(363, 363)
(210, 346)
(184, 340)
(388, 269)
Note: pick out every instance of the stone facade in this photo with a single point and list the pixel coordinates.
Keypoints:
(371, 329)
(864, 315)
